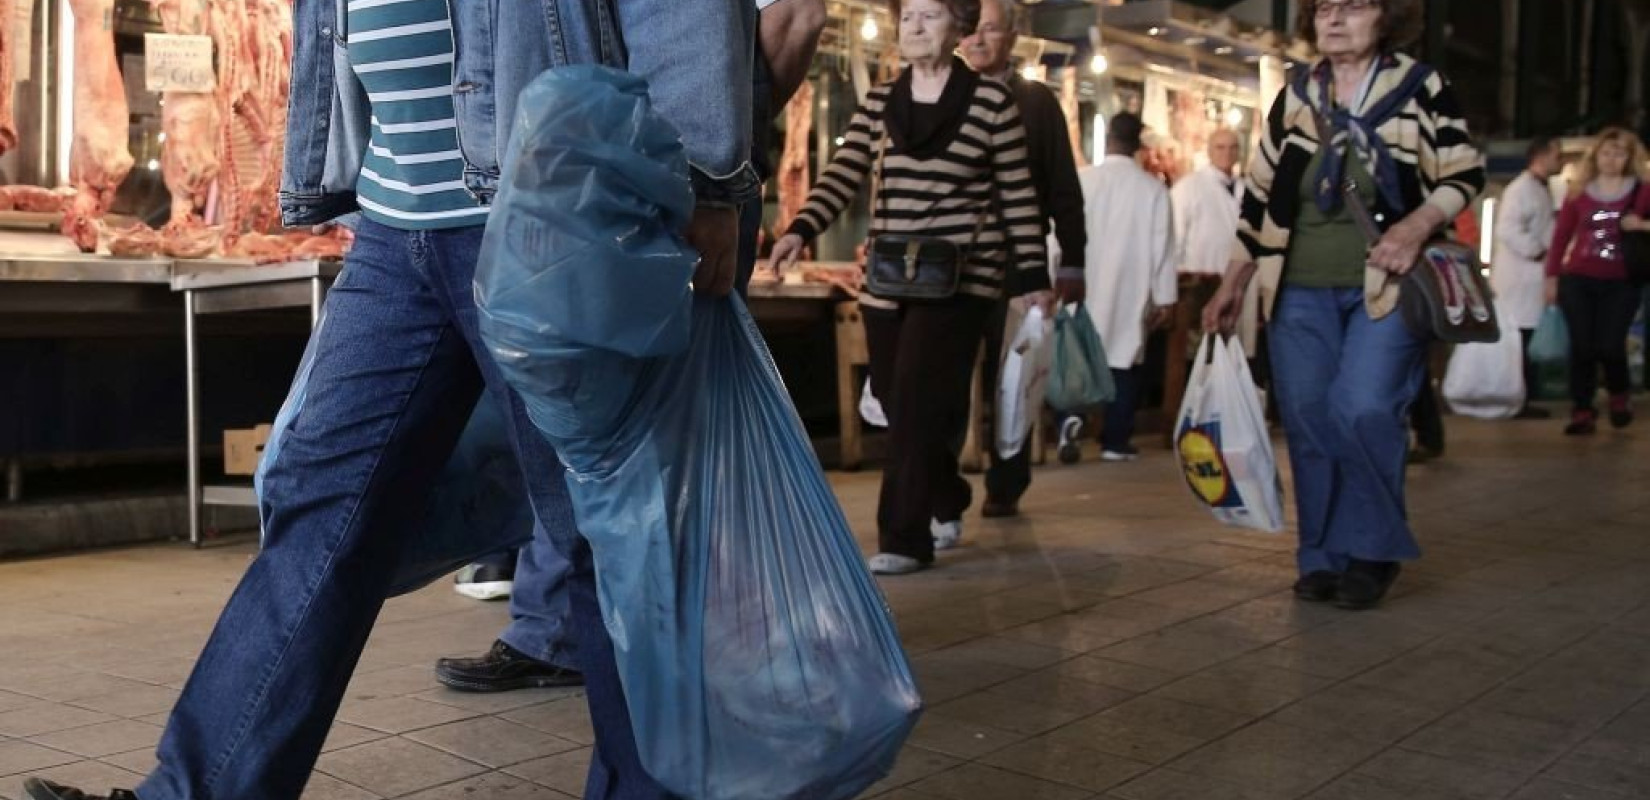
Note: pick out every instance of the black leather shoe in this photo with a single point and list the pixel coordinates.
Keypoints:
(503, 669)
(1365, 583)
(1318, 587)
(998, 508)
(37, 789)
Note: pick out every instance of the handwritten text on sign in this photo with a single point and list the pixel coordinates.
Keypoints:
(178, 63)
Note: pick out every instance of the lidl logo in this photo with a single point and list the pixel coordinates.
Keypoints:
(1205, 467)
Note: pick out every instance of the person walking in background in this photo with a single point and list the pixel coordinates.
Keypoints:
(1205, 219)
(942, 142)
(1588, 280)
(1060, 198)
(1131, 275)
(1523, 230)
(1345, 368)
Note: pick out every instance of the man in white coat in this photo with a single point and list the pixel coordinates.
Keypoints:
(1205, 221)
(1130, 271)
(1523, 232)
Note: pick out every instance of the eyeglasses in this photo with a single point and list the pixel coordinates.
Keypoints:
(1327, 8)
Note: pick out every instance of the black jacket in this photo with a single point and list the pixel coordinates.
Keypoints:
(1053, 169)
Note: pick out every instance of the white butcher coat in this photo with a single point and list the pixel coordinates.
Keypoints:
(1129, 265)
(1523, 231)
(1205, 221)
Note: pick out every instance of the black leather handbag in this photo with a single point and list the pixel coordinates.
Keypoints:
(912, 267)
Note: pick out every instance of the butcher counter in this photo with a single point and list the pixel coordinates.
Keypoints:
(137, 400)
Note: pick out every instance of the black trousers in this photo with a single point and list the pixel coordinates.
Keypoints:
(922, 364)
(1599, 313)
(1006, 479)
(1532, 379)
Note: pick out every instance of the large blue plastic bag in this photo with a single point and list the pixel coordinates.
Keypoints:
(1550, 344)
(478, 506)
(1079, 378)
(758, 658)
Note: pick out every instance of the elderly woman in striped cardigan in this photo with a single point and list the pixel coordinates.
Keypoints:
(951, 153)
(1346, 368)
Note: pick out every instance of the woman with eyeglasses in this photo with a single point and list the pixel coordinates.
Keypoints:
(1345, 367)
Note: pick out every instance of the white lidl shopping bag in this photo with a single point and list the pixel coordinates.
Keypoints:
(1486, 380)
(1222, 442)
(1023, 379)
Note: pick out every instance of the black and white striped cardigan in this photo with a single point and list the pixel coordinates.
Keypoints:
(1437, 163)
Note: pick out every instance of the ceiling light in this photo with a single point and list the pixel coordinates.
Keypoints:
(1029, 73)
(1098, 65)
(1155, 31)
(1196, 41)
(1234, 117)
(1223, 50)
(868, 29)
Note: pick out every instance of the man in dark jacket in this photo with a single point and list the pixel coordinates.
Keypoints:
(1054, 171)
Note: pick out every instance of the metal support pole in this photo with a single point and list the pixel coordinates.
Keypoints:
(317, 296)
(191, 367)
(14, 480)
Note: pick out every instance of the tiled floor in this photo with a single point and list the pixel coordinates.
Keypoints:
(1113, 643)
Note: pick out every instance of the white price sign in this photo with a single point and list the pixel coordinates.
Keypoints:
(178, 63)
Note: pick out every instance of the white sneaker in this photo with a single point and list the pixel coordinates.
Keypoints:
(1120, 455)
(484, 582)
(946, 534)
(894, 564)
(1071, 444)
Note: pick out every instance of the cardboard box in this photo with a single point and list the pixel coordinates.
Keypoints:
(243, 448)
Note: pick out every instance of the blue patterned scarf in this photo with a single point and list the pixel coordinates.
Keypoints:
(1315, 86)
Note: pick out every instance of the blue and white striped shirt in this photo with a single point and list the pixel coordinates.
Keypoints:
(413, 174)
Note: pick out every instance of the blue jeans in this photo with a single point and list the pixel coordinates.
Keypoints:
(1344, 385)
(398, 366)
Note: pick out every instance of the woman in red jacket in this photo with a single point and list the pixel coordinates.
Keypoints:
(1587, 278)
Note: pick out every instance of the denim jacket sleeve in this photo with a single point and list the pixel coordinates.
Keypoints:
(696, 56)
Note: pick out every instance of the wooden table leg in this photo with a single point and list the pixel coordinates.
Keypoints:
(851, 352)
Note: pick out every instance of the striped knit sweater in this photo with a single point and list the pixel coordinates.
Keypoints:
(945, 195)
(1437, 165)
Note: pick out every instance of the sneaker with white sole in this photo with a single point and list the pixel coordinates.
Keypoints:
(1071, 442)
(894, 564)
(1126, 453)
(484, 582)
(946, 534)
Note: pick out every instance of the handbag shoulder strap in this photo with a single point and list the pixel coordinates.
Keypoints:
(1355, 204)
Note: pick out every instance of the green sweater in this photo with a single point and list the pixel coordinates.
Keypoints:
(1327, 251)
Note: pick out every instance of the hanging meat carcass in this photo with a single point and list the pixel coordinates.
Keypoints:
(253, 39)
(8, 88)
(1074, 126)
(189, 158)
(99, 158)
(793, 159)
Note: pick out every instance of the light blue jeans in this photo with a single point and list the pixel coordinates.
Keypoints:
(1344, 384)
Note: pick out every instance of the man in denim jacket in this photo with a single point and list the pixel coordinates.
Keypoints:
(398, 364)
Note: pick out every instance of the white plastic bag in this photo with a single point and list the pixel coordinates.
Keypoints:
(870, 408)
(1486, 380)
(1222, 441)
(1023, 378)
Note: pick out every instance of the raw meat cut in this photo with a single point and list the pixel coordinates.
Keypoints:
(99, 158)
(793, 159)
(36, 199)
(136, 241)
(189, 157)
